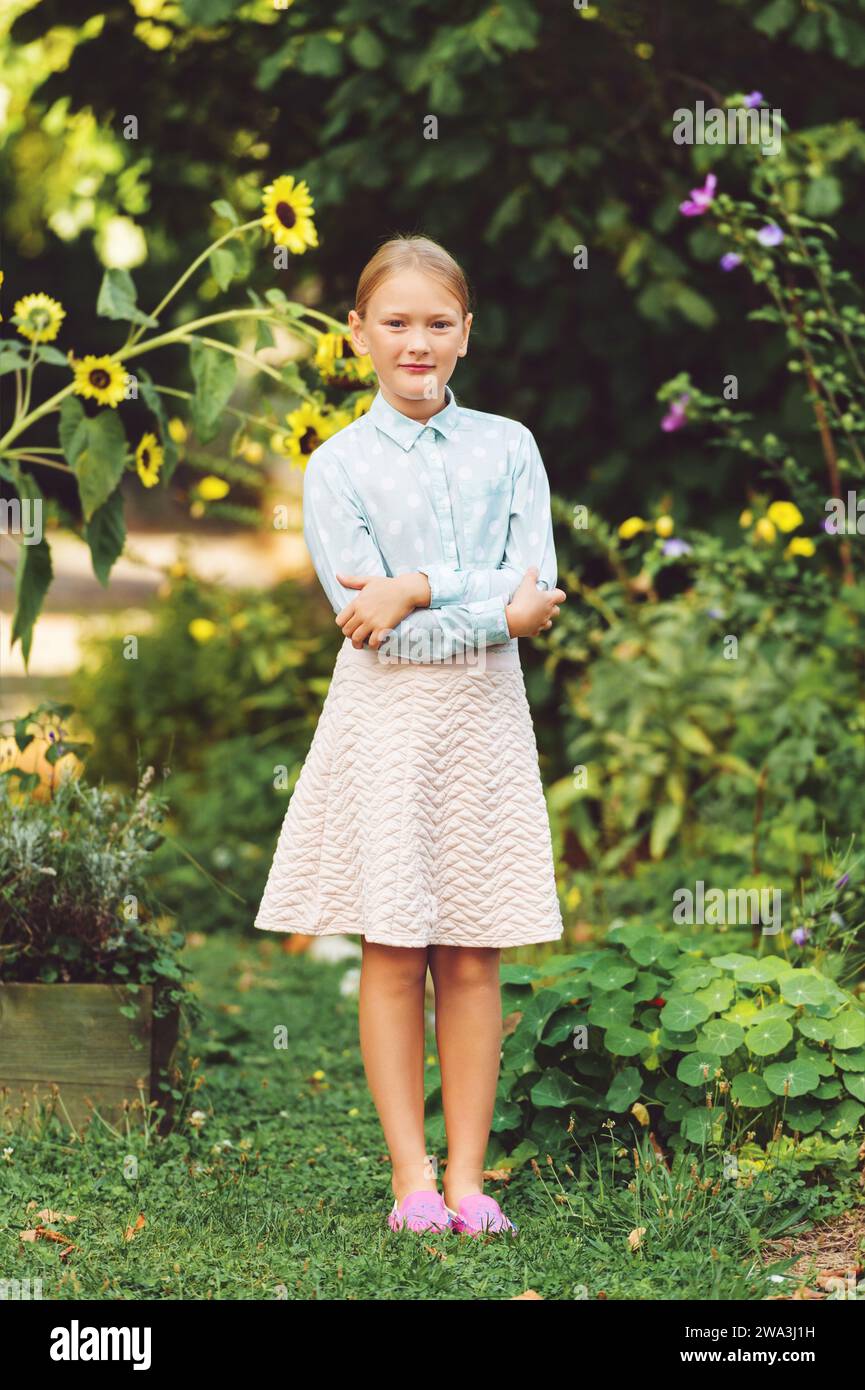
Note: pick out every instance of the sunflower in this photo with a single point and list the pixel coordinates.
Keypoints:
(362, 404)
(101, 378)
(38, 317)
(307, 428)
(288, 214)
(148, 460)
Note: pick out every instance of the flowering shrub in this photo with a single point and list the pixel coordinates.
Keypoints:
(92, 445)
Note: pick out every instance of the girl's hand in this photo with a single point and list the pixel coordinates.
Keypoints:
(381, 604)
(531, 609)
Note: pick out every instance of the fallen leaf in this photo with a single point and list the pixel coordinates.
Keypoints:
(529, 1293)
(635, 1237)
(132, 1231)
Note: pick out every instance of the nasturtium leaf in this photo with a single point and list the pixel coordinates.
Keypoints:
(624, 1089)
(625, 1042)
(802, 987)
(518, 974)
(677, 1042)
(796, 1077)
(506, 1114)
(731, 961)
(768, 1037)
(721, 1036)
(850, 1061)
(214, 374)
(612, 974)
(842, 1119)
(611, 1009)
(820, 1061)
(645, 949)
(750, 1090)
(849, 1029)
(829, 1090)
(817, 1029)
(682, 1012)
(802, 1115)
(562, 1024)
(698, 1068)
(701, 1125)
(554, 1088)
(117, 298)
(540, 1008)
(755, 972)
(717, 996)
(696, 977)
(855, 1083)
(105, 534)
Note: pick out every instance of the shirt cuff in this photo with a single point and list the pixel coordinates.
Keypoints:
(490, 619)
(445, 584)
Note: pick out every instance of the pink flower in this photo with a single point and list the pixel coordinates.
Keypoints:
(700, 198)
(675, 417)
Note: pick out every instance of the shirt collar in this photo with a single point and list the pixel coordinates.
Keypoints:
(405, 431)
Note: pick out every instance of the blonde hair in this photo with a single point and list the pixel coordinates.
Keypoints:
(411, 253)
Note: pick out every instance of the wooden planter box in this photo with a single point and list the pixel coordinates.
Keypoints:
(76, 1037)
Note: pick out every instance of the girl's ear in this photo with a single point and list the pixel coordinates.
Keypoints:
(358, 341)
(461, 352)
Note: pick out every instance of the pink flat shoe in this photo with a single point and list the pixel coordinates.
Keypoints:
(480, 1215)
(420, 1211)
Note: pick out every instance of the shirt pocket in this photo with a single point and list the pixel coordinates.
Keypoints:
(486, 506)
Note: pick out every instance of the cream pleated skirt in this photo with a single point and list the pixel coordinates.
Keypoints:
(418, 818)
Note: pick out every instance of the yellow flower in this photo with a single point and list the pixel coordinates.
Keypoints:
(764, 530)
(800, 545)
(307, 428)
(155, 36)
(251, 451)
(148, 460)
(664, 525)
(177, 430)
(100, 378)
(288, 214)
(212, 489)
(746, 518)
(38, 317)
(329, 349)
(363, 403)
(785, 515)
(631, 527)
(202, 629)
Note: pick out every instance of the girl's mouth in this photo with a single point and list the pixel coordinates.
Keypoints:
(413, 367)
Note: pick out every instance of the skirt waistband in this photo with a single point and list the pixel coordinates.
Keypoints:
(502, 657)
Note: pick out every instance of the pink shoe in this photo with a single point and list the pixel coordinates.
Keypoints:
(420, 1211)
(480, 1215)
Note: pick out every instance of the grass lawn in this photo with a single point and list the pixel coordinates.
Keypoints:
(281, 1188)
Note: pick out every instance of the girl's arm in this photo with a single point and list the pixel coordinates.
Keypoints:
(529, 541)
(338, 539)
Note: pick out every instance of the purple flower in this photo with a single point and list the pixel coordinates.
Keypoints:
(800, 935)
(676, 417)
(700, 198)
(730, 261)
(842, 881)
(675, 547)
(714, 613)
(770, 235)
(754, 99)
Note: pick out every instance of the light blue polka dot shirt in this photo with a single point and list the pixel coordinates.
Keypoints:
(464, 499)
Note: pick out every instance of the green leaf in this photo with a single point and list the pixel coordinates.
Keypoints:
(224, 209)
(223, 267)
(722, 1036)
(117, 298)
(214, 374)
(609, 974)
(624, 1090)
(99, 465)
(209, 12)
(106, 536)
(823, 196)
(72, 430)
(554, 1089)
(52, 355)
(32, 581)
(665, 823)
(626, 1042)
(768, 1037)
(701, 1125)
(775, 17)
(750, 1090)
(849, 1029)
(682, 1012)
(794, 1078)
(367, 49)
(692, 1067)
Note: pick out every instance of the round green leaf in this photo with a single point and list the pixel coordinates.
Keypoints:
(855, 1083)
(768, 1037)
(700, 1125)
(625, 1042)
(843, 1119)
(750, 1090)
(849, 1029)
(612, 974)
(802, 987)
(698, 1068)
(682, 1012)
(624, 1089)
(722, 1036)
(611, 1009)
(794, 1078)
(755, 972)
(817, 1029)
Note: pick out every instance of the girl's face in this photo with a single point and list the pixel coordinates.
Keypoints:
(414, 332)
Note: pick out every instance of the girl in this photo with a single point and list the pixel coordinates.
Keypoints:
(419, 819)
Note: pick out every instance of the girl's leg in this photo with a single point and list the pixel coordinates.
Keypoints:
(469, 1037)
(391, 1015)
